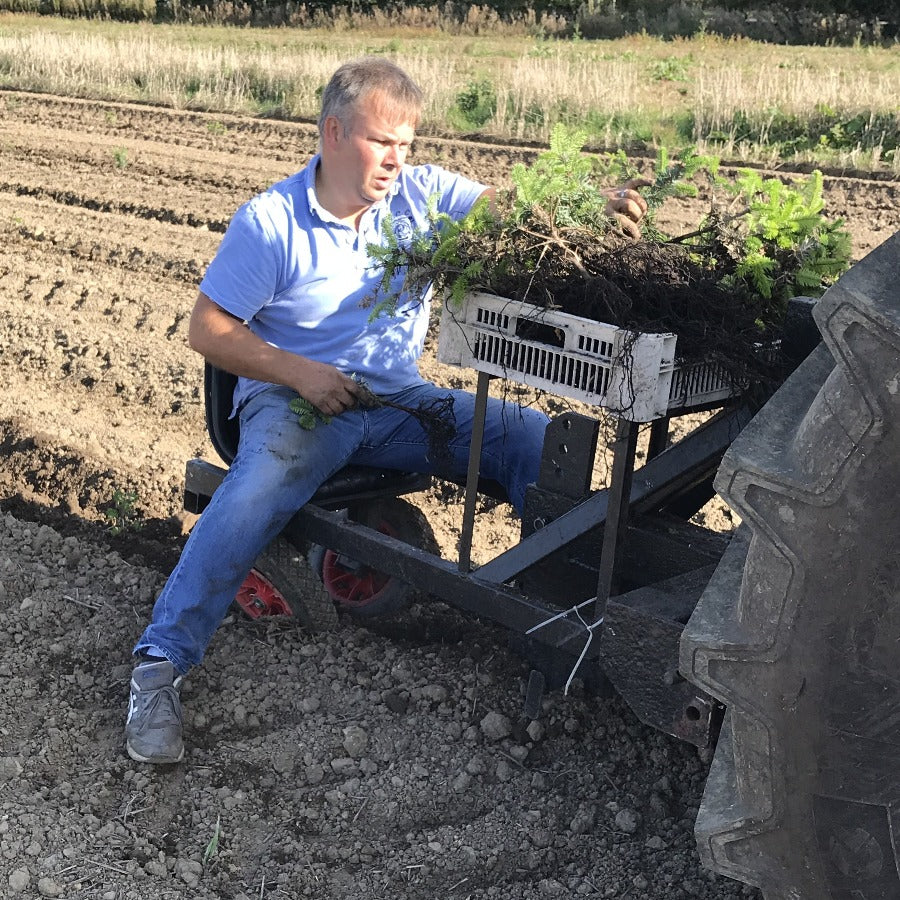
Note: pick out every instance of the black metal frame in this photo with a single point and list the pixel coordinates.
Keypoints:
(628, 551)
(609, 547)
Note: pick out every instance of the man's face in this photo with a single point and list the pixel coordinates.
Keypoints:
(369, 157)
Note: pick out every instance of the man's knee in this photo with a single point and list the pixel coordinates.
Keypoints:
(263, 479)
(525, 435)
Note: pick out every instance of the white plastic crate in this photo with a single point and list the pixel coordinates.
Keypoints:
(632, 374)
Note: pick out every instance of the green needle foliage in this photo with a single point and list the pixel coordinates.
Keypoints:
(564, 182)
(551, 241)
(787, 246)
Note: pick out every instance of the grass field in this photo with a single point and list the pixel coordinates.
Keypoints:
(835, 106)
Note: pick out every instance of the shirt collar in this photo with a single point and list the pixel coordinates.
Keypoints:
(323, 213)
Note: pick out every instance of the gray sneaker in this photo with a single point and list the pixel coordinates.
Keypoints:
(153, 727)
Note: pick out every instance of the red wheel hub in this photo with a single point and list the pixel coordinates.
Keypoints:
(258, 597)
(351, 584)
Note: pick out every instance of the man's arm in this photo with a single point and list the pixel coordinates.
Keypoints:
(228, 344)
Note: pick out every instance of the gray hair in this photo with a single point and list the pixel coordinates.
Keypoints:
(400, 98)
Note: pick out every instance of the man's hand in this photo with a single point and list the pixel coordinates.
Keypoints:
(627, 206)
(227, 343)
(328, 389)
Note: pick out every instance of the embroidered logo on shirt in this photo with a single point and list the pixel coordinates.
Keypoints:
(402, 227)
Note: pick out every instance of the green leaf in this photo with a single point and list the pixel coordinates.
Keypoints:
(308, 416)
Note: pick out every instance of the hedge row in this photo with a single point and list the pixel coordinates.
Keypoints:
(120, 10)
(822, 21)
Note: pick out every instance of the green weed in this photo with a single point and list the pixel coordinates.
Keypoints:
(672, 68)
(123, 514)
(476, 104)
(824, 130)
(212, 848)
(541, 50)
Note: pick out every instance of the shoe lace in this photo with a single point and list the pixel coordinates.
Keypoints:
(162, 707)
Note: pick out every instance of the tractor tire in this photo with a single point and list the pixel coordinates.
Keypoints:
(361, 591)
(798, 632)
(282, 583)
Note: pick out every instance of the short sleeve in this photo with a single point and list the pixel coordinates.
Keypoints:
(244, 274)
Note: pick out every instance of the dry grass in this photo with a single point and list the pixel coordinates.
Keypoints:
(637, 90)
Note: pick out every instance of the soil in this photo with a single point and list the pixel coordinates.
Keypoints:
(390, 761)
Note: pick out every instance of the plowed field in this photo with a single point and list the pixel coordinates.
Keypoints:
(108, 215)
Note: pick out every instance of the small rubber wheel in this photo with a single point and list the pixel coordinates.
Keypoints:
(281, 583)
(360, 590)
(258, 597)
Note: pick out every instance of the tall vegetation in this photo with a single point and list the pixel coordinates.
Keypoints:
(738, 99)
(825, 21)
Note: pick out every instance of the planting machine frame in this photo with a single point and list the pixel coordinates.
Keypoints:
(620, 587)
(629, 548)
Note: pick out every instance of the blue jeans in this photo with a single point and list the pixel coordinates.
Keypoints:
(280, 465)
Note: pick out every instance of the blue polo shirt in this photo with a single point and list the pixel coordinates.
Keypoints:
(299, 277)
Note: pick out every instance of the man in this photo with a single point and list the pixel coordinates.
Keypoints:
(281, 306)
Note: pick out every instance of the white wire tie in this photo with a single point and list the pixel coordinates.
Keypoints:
(562, 615)
(588, 628)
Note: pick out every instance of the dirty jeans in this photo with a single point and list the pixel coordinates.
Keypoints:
(280, 465)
